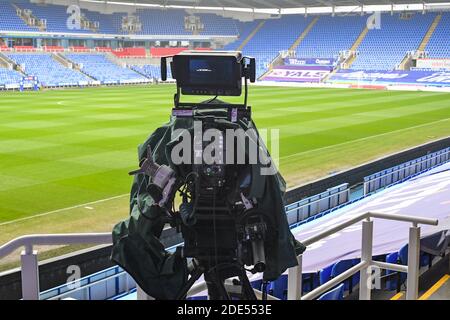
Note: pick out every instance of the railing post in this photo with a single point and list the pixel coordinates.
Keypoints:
(30, 274)
(365, 280)
(412, 282)
(295, 280)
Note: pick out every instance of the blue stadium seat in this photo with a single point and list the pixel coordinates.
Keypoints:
(438, 46)
(334, 294)
(278, 288)
(276, 35)
(393, 278)
(341, 266)
(385, 48)
(325, 274)
(257, 284)
(310, 281)
(150, 71)
(424, 259)
(49, 71)
(9, 21)
(330, 35)
(100, 68)
(9, 77)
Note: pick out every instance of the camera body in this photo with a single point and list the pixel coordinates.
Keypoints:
(222, 229)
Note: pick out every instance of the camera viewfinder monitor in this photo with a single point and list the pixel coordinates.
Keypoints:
(208, 73)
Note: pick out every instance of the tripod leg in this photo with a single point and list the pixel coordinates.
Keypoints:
(216, 286)
(247, 290)
(195, 276)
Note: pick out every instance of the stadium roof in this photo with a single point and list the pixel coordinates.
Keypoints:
(272, 4)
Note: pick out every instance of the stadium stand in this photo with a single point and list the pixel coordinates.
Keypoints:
(291, 26)
(10, 21)
(217, 25)
(150, 71)
(385, 48)
(56, 16)
(49, 72)
(330, 35)
(156, 22)
(108, 23)
(438, 46)
(98, 67)
(244, 30)
(9, 77)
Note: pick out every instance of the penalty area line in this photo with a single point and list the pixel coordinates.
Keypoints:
(64, 209)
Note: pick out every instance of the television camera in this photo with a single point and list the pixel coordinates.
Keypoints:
(225, 228)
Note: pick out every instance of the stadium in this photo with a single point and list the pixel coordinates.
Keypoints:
(357, 93)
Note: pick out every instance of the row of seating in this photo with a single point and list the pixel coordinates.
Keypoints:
(276, 35)
(330, 35)
(98, 66)
(438, 46)
(49, 71)
(9, 21)
(154, 21)
(9, 77)
(385, 47)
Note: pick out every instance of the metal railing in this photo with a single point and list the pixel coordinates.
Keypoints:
(366, 265)
(29, 258)
(122, 284)
(86, 290)
(404, 171)
(30, 268)
(311, 206)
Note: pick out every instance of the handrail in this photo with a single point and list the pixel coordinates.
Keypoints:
(29, 259)
(367, 215)
(29, 241)
(30, 282)
(295, 273)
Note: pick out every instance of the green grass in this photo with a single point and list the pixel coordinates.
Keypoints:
(63, 148)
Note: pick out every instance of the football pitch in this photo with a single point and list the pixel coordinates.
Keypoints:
(65, 154)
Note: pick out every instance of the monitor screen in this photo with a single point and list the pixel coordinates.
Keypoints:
(210, 72)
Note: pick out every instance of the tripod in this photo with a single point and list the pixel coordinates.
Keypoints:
(215, 277)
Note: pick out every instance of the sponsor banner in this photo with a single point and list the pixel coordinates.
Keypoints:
(297, 74)
(291, 67)
(433, 64)
(392, 77)
(310, 61)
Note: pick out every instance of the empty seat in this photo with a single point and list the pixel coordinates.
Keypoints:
(334, 294)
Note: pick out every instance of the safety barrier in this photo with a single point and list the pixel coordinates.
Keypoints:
(384, 178)
(365, 267)
(102, 285)
(29, 258)
(311, 206)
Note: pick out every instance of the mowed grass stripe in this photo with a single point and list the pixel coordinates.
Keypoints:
(64, 158)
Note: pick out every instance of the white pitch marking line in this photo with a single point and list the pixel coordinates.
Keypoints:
(85, 205)
(361, 139)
